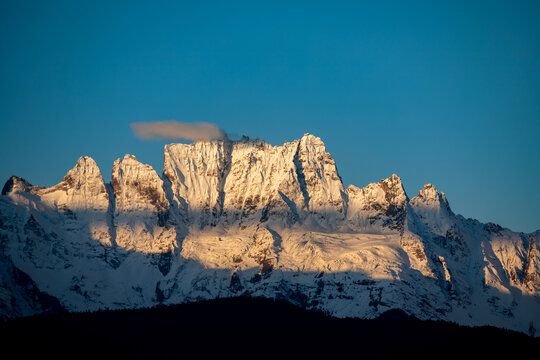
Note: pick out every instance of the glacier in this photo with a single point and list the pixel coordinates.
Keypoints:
(231, 218)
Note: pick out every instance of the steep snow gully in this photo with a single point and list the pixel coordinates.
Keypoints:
(247, 218)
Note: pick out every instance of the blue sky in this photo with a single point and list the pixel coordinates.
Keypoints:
(445, 92)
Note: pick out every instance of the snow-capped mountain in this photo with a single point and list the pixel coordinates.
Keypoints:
(248, 218)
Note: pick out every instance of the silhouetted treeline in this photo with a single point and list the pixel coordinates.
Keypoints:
(248, 328)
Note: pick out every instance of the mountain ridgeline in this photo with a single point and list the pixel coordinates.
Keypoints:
(246, 218)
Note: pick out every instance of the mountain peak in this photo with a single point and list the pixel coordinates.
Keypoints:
(83, 186)
(393, 180)
(312, 140)
(393, 188)
(432, 208)
(129, 157)
(85, 163)
(86, 167)
(128, 163)
(140, 201)
(429, 189)
(431, 197)
(16, 183)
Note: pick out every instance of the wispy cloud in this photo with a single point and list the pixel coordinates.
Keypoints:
(178, 130)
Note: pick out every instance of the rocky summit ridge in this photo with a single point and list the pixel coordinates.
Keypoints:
(248, 218)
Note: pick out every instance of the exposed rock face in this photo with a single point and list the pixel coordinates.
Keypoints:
(262, 183)
(142, 216)
(378, 204)
(16, 184)
(432, 208)
(82, 189)
(197, 175)
(319, 180)
(237, 180)
(249, 218)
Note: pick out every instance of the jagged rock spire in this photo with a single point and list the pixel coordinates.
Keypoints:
(142, 217)
(383, 203)
(81, 189)
(433, 209)
(137, 186)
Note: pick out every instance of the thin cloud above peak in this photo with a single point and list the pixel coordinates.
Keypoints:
(172, 129)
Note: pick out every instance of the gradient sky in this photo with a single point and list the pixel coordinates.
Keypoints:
(445, 92)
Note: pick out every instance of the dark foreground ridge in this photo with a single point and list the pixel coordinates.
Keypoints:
(247, 327)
